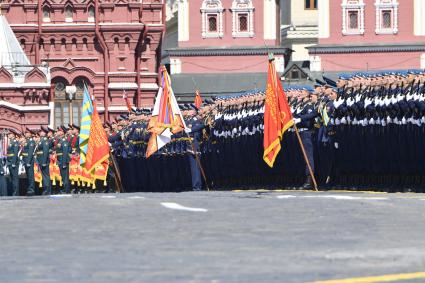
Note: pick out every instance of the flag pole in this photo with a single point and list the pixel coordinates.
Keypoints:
(117, 174)
(305, 158)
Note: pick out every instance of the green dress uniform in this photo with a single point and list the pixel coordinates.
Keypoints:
(28, 159)
(43, 161)
(13, 165)
(3, 186)
(63, 151)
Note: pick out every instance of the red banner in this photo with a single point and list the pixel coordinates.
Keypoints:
(277, 116)
(198, 99)
(98, 146)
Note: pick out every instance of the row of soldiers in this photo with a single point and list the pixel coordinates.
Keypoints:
(172, 168)
(363, 130)
(44, 156)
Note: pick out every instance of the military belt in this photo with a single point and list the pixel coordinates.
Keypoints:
(39, 152)
(10, 155)
(137, 142)
(59, 154)
(24, 154)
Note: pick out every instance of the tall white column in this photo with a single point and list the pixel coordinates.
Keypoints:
(419, 17)
(323, 7)
(269, 19)
(183, 20)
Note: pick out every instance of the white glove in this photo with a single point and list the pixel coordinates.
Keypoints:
(297, 120)
(187, 130)
(336, 145)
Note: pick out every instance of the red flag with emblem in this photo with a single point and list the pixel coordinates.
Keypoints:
(198, 99)
(98, 146)
(277, 116)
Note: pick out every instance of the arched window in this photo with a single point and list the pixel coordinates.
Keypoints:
(67, 110)
(212, 18)
(91, 14)
(23, 44)
(69, 14)
(46, 14)
(212, 23)
(243, 23)
(243, 18)
(353, 20)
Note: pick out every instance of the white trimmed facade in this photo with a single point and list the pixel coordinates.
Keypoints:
(353, 17)
(386, 16)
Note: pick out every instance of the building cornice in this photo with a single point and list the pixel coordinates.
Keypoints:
(234, 51)
(372, 48)
(29, 108)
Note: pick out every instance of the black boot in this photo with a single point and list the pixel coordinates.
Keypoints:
(308, 184)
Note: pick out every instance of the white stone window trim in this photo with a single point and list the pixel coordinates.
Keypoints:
(391, 5)
(348, 6)
(236, 11)
(208, 11)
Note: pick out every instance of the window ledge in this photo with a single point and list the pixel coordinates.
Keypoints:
(386, 31)
(243, 34)
(212, 35)
(353, 32)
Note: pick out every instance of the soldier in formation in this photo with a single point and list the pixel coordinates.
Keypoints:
(364, 130)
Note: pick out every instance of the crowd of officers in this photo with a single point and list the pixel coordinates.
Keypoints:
(362, 131)
(48, 151)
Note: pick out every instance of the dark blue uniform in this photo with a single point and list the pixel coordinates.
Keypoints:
(306, 128)
(196, 127)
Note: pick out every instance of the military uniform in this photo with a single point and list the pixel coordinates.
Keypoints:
(306, 129)
(43, 161)
(3, 185)
(63, 151)
(195, 132)
(28, 160)
(13, 165)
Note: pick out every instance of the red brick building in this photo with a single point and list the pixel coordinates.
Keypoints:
(111, 46)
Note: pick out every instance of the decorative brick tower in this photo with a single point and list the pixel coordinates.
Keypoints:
(112, 46)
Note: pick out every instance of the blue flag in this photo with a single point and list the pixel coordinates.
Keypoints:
(86, 119)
